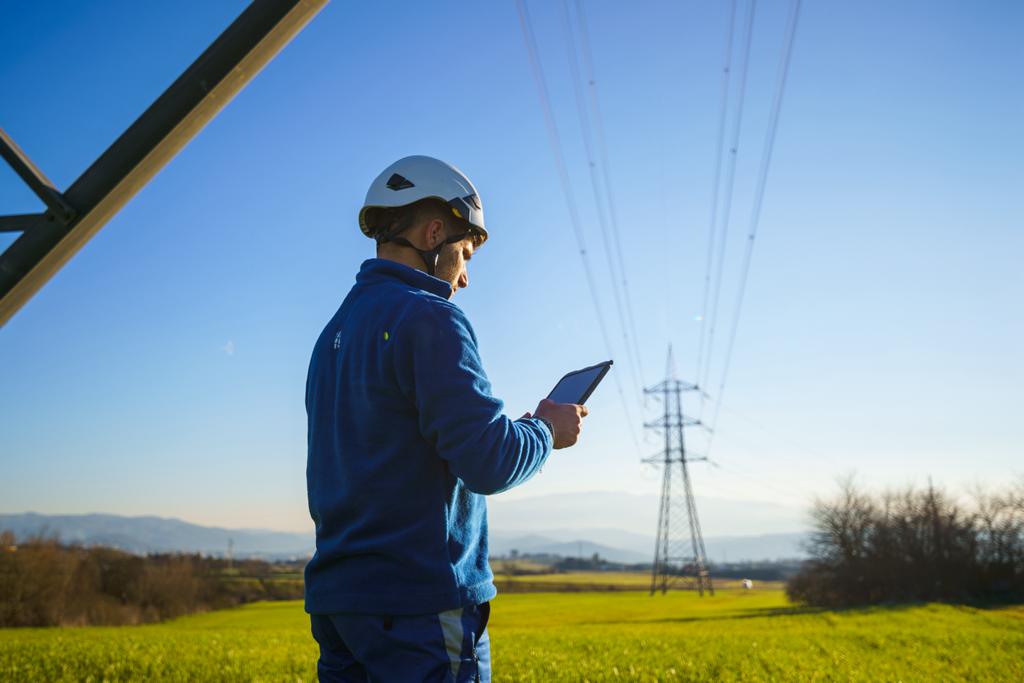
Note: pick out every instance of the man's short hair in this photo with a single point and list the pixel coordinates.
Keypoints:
(388, 222)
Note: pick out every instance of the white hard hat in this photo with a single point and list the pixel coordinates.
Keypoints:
(414, 178)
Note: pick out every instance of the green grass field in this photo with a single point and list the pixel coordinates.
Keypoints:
(755, 636)
(603, 581)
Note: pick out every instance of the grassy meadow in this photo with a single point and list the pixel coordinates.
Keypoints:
(579, 636)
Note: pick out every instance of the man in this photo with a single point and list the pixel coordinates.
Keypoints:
(405, 440)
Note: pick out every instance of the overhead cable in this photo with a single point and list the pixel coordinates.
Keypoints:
(755, 214)
(555, 143)
(807, 451)
(734, 143)
(723, 108)
(761, 481)
(602, 146)
(595, 183)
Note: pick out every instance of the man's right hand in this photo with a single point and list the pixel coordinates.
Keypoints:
(565, 418)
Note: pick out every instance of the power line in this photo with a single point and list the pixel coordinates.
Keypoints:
(810, 463)
(730, 180)
(755, 215)
(555, 143)
(760, 481)
(602, 147)
(595, 183)
(723, 109)
(783, 438)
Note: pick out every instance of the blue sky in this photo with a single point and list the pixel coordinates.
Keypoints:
(162, 370)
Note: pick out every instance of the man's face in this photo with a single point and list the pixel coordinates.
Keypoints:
(452, 265)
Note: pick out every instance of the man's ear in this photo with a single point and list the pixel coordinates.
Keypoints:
(435, 233)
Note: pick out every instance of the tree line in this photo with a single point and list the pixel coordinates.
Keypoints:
(46, 583)
(911, 545)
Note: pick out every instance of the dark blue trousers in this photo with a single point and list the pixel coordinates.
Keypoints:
(450, 647)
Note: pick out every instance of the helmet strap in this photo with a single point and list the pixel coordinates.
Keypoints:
(430, 256)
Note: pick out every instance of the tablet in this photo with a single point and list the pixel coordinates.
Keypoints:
(577, 386)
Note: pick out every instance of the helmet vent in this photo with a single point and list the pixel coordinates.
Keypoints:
(397, 182)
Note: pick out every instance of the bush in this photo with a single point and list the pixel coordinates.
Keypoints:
(43, 583)
(913, 545)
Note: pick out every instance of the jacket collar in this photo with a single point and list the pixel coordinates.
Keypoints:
(381, 270)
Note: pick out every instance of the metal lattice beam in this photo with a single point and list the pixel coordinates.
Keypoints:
(73, 217)
(21, 222)
(34, 178)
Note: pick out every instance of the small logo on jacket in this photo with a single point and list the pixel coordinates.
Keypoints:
(337, 341)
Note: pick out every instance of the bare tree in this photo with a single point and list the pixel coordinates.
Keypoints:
(912, 545)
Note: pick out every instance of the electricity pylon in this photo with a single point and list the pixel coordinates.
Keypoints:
(679, 550)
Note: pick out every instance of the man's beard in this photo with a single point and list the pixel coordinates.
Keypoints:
(447, 268)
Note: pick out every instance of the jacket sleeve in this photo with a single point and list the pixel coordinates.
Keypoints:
(439, 370)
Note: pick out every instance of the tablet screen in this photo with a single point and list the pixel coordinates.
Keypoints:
(577, 386)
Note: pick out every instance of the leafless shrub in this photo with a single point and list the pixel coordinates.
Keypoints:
(44, 583)
(915, 544)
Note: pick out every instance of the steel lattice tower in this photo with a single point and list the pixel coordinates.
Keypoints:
(679, 553)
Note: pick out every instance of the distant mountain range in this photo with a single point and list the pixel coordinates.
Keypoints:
(620, 526)
(158, 534)
(623, 546)
(636, 513)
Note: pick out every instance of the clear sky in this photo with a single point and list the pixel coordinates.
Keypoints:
(162, 371)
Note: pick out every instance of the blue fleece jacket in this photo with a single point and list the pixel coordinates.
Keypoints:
(405, 439)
